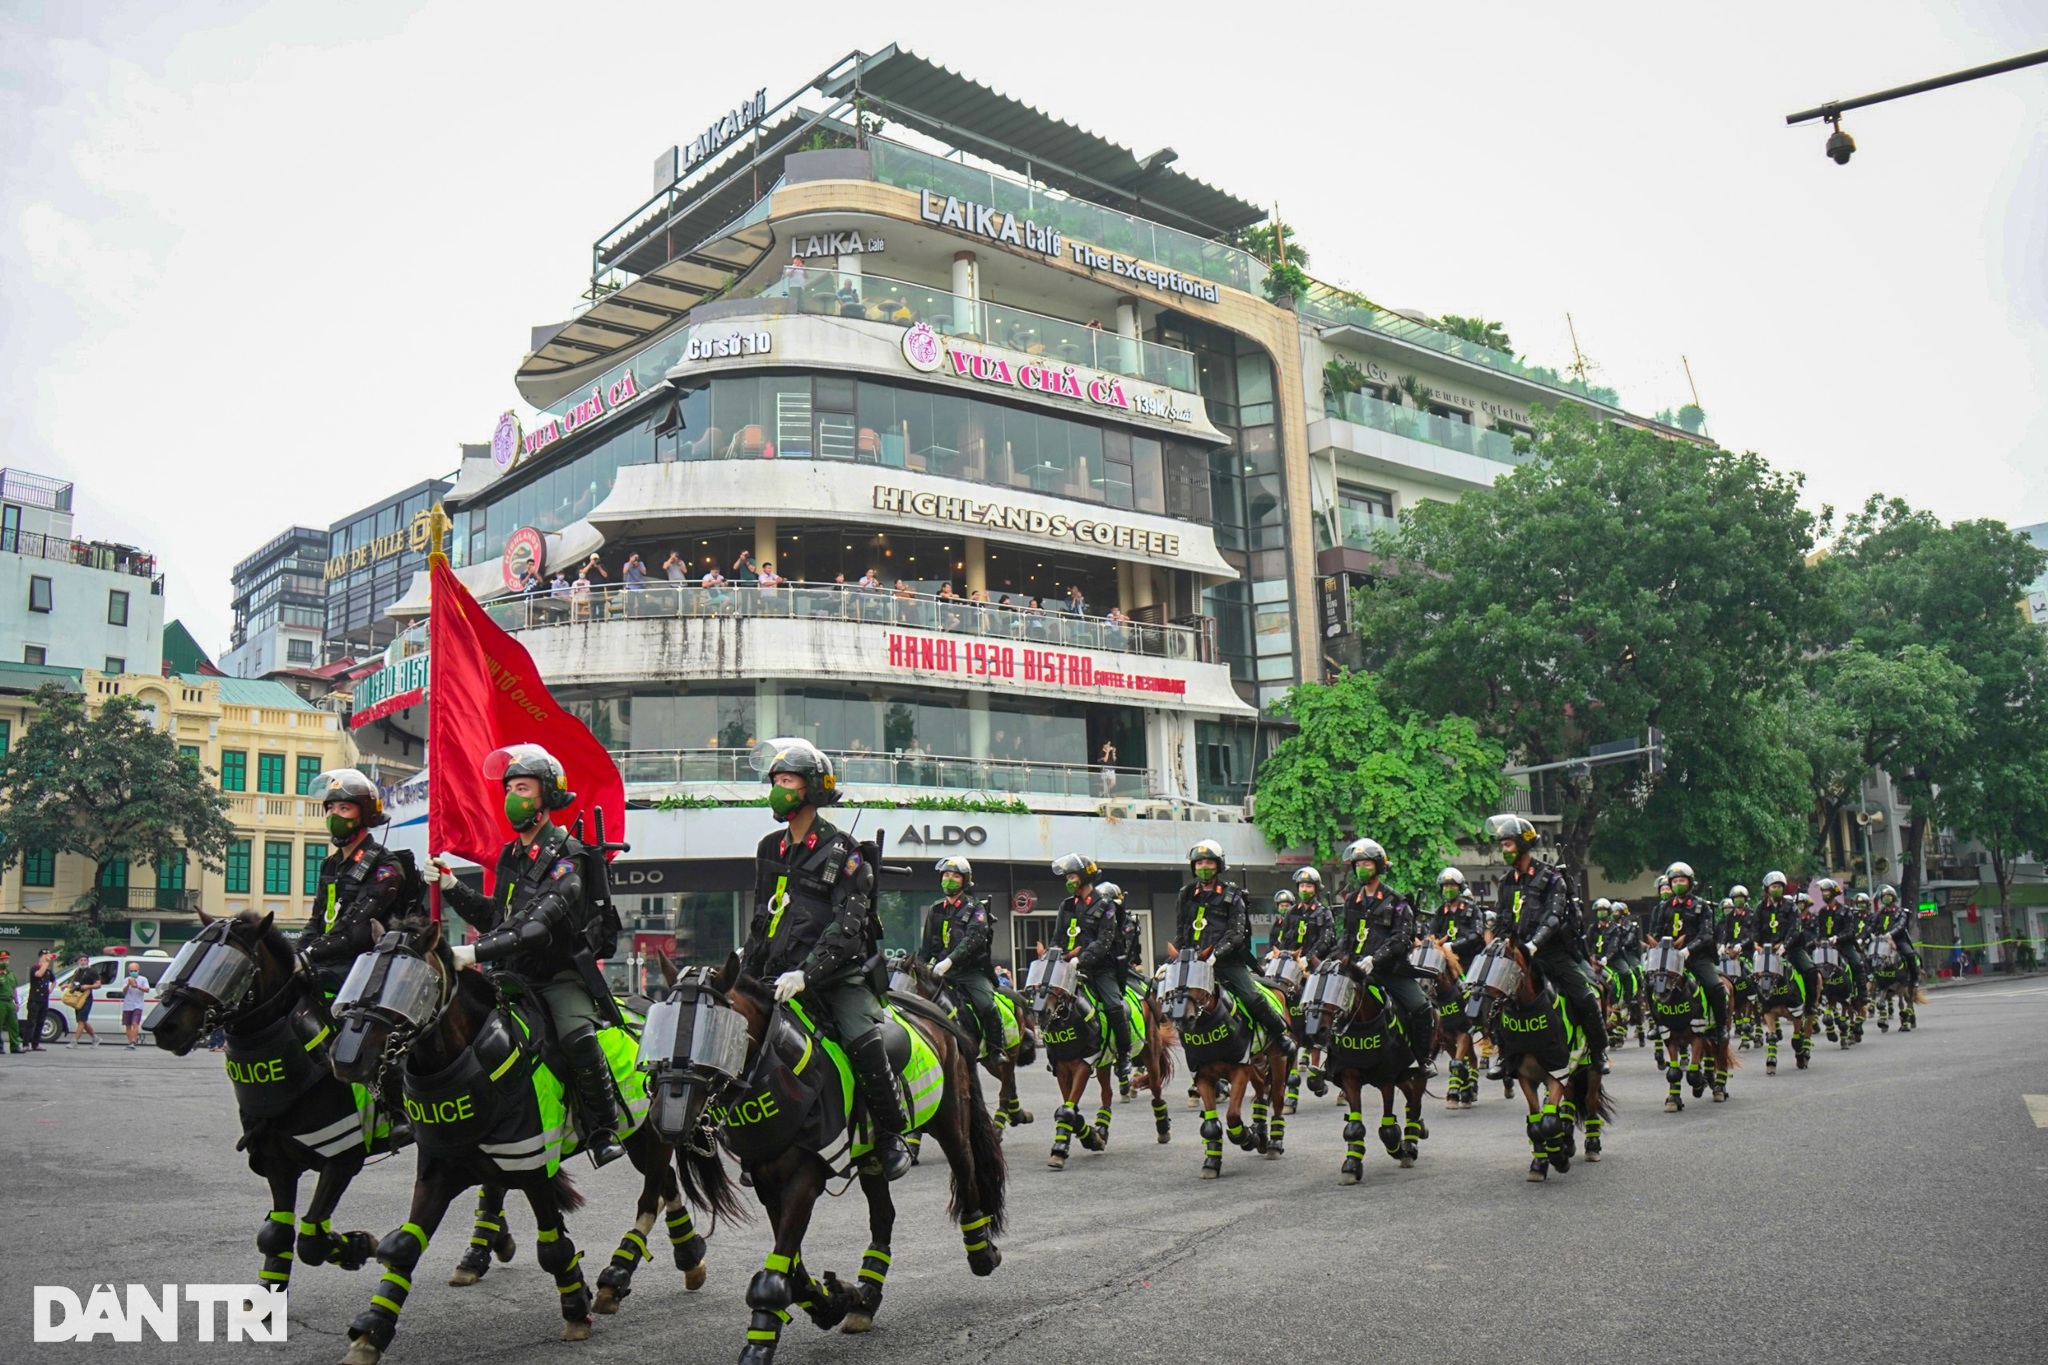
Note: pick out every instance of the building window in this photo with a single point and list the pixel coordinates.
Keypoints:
(270, 773)
(309, 768)
(115, 664)
(40, 597)
(114, 884)
(234, 774)
(298, 651)
(6, 734)
(33, 654)
(315, 855)
(277, 868)
(117, 608)
(170, 873)
(238, 868)
(39, 867)
(190, 751)
(1370, 500)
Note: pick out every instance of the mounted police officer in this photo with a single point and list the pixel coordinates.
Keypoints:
(1536, 909)
(1213, 922)
(1457, 926)
(360, 881)
(1733, 929)
(815, 930)
(537, 922)
(1090, 931)
(1303, 923)
(1896, 924)
(957, 933)
(1777, 923)
(1690, 923)
(1131, 954)
(1835, 918)
(1376, 937)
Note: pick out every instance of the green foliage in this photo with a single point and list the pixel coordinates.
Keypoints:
(104, 786)
(1353, 768)
(1261, 241)
(1492, 335)
(1416, 389)
(1693, 418)
(80, 936)
(1615, 582)
(1341, 377)
(1285, 281)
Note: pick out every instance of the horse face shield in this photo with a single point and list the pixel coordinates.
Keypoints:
(692, 1043)
(1494, 975)
(1189, 986)
(393, 983)
(212, 969)
(1050, 976)
(1327, 999)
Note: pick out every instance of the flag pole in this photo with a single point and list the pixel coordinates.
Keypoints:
(438, 522)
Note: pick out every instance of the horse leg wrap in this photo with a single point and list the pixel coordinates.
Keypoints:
(769, 1296)
(274, 1240)
(1014, 1112)
(617, 1276)
(1002, 1119)
(1390, 1136)
(399, 1253)
(1065, 1120)
(487, 1237)
(683, 1239)
(1212, 1142)
(1161, 1119)
(874, 1277)
(1279, 1126)
(983, 1256)
(1533, 1126)
(560, 1258)
(1102, 1117)
(1240, 1136)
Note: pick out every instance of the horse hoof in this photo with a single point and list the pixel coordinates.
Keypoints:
(1538, 1172)
(856, 1323)
(1454, 1103)
(694, 1277)
(606, 1302)
(1018, 1116)
(361, 1352)
(1165, 1136)
(1672, 1106)
(577, 1329)
(463, 1277)
(1056, 1162)
(1592, 1153)
(1720, 1096)
(1407, 1161)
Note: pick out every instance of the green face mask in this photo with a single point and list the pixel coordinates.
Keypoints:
(520, 809)
(1205, 874)
(1510, 855)
(342, 828)
(1073, 886)
(783, 802)
(951, 885)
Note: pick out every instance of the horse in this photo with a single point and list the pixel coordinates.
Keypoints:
(728, 1067)
(1841, 1017)
(1283, 972)
(999, 1057)
(1621, 997)
(1221, 1045)
(1781, 995)
(488, 1110)
(1543, 1047)
(1742, 1001)
(1446, 986)
(1683, 1015)
(1889, 986)
(1365, 1045)
(1079, 1044)
(243, 976)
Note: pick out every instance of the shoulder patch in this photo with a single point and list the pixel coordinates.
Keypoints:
(852, 864)
(387, 871)
(562, 869)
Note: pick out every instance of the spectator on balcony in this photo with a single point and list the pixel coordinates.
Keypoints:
(1076, 603)
(592, 568)
(905, 603)
(579, 598)
(979, 597)
(674, 566)
(1117, 623)
(715, 595)
(769, 581)
(949, 607)
(529, 582)
(1034, 620)
(635, 575)
(1108, 772)
(795, 277)
(849, 298)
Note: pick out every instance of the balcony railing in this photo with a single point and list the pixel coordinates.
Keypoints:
(876, 298)
(1359, 527)
(1052, 627)
(859, 767)
(1367, 411)
(93, 554)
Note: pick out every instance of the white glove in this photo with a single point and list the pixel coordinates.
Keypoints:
(942, 966)
(443, 876)
(464, 955)
(1369, 964)
(787, 985)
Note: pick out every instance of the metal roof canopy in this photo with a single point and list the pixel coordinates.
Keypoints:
(947, 106)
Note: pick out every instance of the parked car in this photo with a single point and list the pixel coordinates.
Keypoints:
(108, 970)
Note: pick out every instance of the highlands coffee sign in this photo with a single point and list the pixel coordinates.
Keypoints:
(1029, 520)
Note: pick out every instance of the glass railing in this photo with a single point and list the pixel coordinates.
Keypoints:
(902, 768)
(907, 168)
(1359, 527)
(1020, 624)
(875, 298)
(1448, 432)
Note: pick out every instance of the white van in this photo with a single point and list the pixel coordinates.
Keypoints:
(109, 970)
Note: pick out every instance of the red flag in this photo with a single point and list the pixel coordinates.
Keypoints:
(485, 693)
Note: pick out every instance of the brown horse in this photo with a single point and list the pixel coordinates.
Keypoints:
(1365, 1045)
(912, 977)
(1682, 1013)
(1453, 1025)
(1221, 1049)
(729, 1067)
(1079, 1045)
(1547, 1056)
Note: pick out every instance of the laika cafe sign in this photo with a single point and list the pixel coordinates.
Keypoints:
(1054, 668)
(998, 225)
(927, 351)
(601, 402)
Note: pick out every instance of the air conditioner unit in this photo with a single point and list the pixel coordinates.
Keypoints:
(1154, 810)
(1115, 810)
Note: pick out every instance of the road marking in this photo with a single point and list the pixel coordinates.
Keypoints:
(2037, 1106)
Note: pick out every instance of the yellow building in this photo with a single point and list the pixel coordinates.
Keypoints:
(263, 744)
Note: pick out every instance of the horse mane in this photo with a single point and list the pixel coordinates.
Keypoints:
(273, 938)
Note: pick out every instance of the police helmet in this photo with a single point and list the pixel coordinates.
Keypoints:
(1776, 879)
(1862, 899)
(806, 760)
(956, 865)
(349, 784)
(1284, 901)
(1309, 875)
(1365, 851)
(530, 760)
(1827, 886)
(1450, 876)
(1501, 828)
(1738, 892)
(1727, 903)
(1677, 870)
(1074, 865)
(1210, 850)
(1887, 892)
(1602, 906)
(1109, 891)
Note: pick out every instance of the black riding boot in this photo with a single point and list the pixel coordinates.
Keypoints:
(597, 1105)
(883, 1099)
(393, 1101)
(1421, 1030)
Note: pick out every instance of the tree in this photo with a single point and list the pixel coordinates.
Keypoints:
(2004, 807)
(1260, 240)
(1492, 335)
(1615, 582)
(1353, 768)
(106, 786)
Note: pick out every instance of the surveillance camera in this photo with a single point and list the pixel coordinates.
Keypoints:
(1841, 146)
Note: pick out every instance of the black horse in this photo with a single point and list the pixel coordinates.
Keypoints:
(242, 975)
(1546, 1054)
(1364, 1044)
(487, 1110)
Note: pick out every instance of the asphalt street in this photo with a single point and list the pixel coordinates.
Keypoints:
(1887, 1205)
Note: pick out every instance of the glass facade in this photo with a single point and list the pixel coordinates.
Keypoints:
(367, 575)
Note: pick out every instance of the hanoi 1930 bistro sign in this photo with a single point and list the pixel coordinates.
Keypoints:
(1057, 668)
(390, 689)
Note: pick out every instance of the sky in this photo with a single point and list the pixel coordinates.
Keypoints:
(264, 263)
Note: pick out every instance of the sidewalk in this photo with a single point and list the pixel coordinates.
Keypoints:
(1930, 982)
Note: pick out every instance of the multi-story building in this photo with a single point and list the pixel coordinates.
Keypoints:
(970, 450)
(2037, 591)
(264, 745)
(372, 555)
(70, 603)
(280, 605)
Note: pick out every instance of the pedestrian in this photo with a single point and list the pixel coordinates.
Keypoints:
(8, 985)
(768, 580)
(83, 980)
(134, 991)
(39, 979)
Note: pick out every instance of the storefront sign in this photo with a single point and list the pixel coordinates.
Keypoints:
(1024, 902)
(600, 404)
(706, 345)
(526, 550)
(505, 439)
(931, 654)
(417, 537)
(1053, 525)
(834, 244)
(1334, 598)
(743, 116)
(1172, 281)
(390, 689)
(948, 836)
(1386, 378)
(928, 352)
(145, 933)
(985, 220)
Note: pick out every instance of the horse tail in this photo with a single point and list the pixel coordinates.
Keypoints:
(1158, 1030)
(984, 1148)
(706, 1182)
(1585, 1082)
(1918, 996)
(567, 1196)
